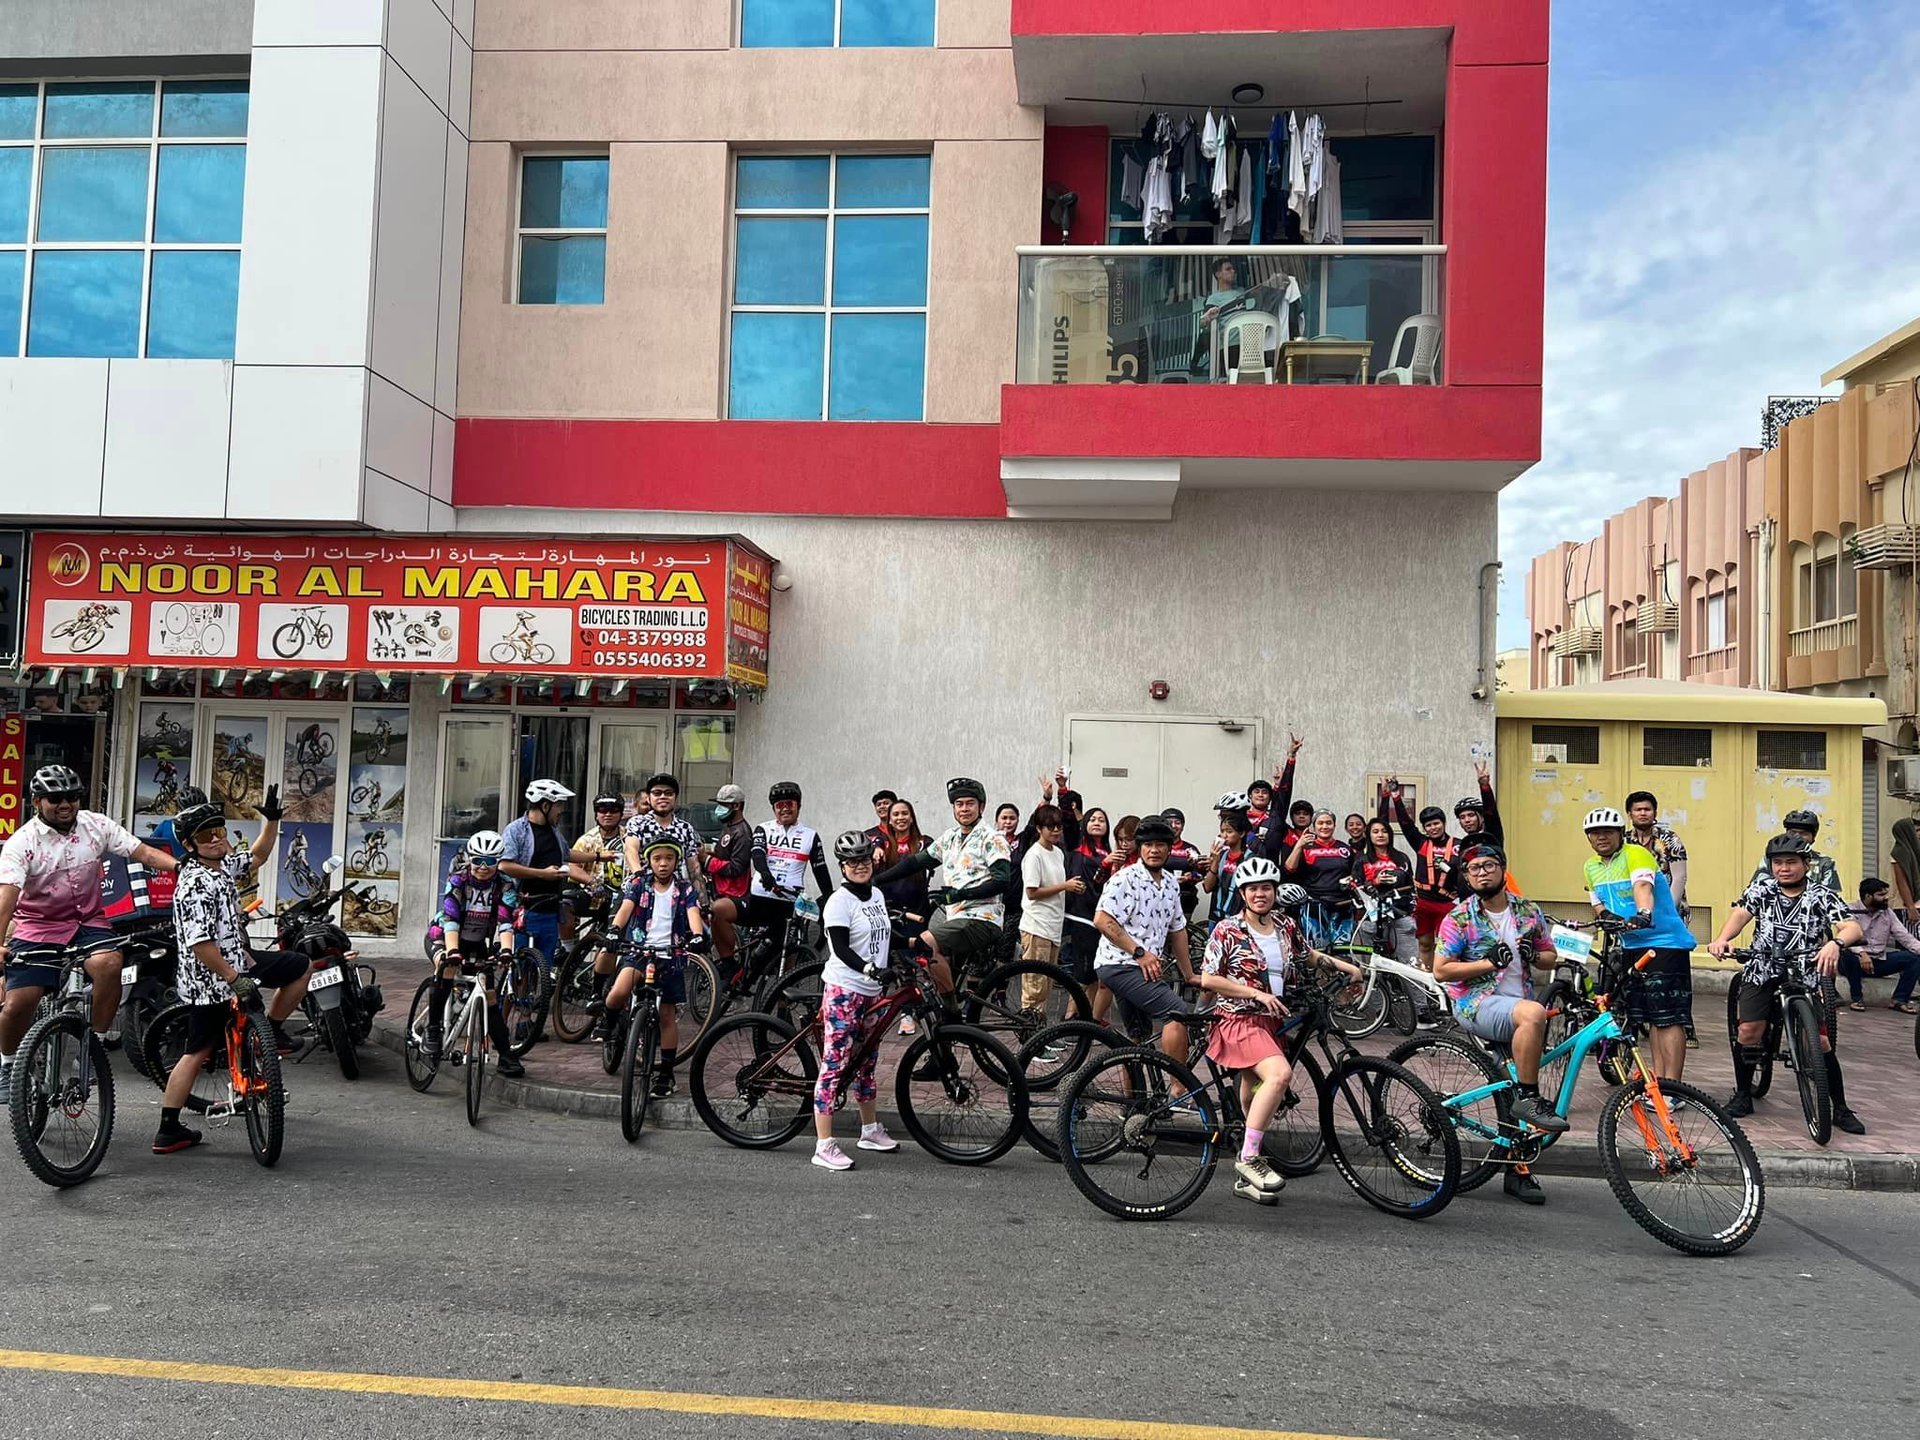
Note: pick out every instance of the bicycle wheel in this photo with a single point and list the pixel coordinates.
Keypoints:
(1390, 1138)
(970, 1112)
(1809, 1068)
(166, 1041)
(541, 654)
(62, 1100)
(701, 979)
(262, 1099)
(613, 1041)
(1401, 1009)
(523, 1001)
(1361, 1008)
(636, 1071)
(476, 1056)
(322, 634)
(752, 1079)
(575, 988)
(420, 1067)
(1452, 1064)
(289, 640)
(1703, 1195)
(1295, 1143)
(1047, 1062)
(1138, 1135)
(795, 996)
(997, 1004)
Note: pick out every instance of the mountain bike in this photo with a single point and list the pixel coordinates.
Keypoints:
(634, 1031)
(292, 638)
(463, 1032)
(958, 1089)
(1797, 1017)
(1140, 1134)
(364, 801)
(371, 857)
(1679, 1165)
(757, 965)
(575, 998)
(241, 1075)
(87, 629)
(62, 1086)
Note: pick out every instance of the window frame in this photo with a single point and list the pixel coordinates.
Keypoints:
(827, 310)
(1650, 761)
(153, 143)
(1536, 744)
(1761, 733)
(839, 11)
(544, 232)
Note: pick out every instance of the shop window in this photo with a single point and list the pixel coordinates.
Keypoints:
(846, 23)
(829, 309)
(1566, 744)
(1790, 749)
(563, 230)
(1676, 745)
(134, 190)
(703, 761)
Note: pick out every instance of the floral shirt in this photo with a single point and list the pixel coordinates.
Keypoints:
(1662, 844)
(1788, 927)
(206, 906)
(1148, 910)
(1470, 933)
(58, 873)
(1234, 954)
(644, 896)
(967, 856)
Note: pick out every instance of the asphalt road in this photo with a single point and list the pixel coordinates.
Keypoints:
(537, 1249)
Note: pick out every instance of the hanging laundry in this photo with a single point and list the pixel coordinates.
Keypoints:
(1240, 227)
(1313, 140)
(1328, 223)
(1210, 138)
(1186, 171)
(1276, 144)
(1296, 168)
(1132, 173)
(1158, 191)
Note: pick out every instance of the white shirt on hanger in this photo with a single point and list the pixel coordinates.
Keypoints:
(1328, 222)
(1296, 169)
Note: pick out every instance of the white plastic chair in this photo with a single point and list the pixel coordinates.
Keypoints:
(1423, 366)
(1245, 340)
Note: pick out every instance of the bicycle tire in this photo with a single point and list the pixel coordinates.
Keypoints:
(1743, 1217)
(996, 1004)
(263, 1102)
(213, 640)
(503, 652)
(541, 654)
(701, 980)
(751, 1079)
(975, 1067)
(527, 1011)
(1402, 1012)
(289, 640)
(575, 988)
(323, 634)
(136, 1018)
(1358, 1015)
(1047, 1062)
(796, 996)
(1398, 1128)
(1295, 1142)
(165, 1042)
(613, 1041)
(636, 1071)
(420, 1069)
(476, 1057)
(1452, 1064)
(1120, 1107)
(43, 1096)
(1809, 1068)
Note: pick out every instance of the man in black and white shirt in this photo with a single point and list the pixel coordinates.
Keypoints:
(215, 964)
(655, 819)
(1141, 924)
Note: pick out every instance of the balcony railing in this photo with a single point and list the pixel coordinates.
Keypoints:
(1720, 657)
(1246, 314)
(1827, 635)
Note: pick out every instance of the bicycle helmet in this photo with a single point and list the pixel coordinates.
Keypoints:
(1802, 820)
(1471, 802)
(1233, 800)
(1604, 817)
(1288, 897)
(961, 788)
(545, 792)
(852, 845)
(1153, 829)
(610, 802)
(661, 841)
(784, 790)
(1257, 870)
(1432, 812)
(1788, 846)
(51, 780)
(194, 821)
(1174, 812)
(663, 781)
(191, 795)
(485, 846)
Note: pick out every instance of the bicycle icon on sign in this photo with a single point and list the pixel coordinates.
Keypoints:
(88, 628)
(193, 629)
(520, 644)
(292, 638)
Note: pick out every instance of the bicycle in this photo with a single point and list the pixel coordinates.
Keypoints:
(463, 1031)
(756, 967)
(241, 1075)
(1797, 1016)
(86, 630)
(752, 1077)
(521, 647)
(313, 749)
(371, 857)
(1393, 991)
(62, 1086)
(634, 1032)
(364, 801)
(1136, 1118)
(1664, 1153)
(292, 638)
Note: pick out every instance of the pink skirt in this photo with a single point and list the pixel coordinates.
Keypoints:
(1240, 1042)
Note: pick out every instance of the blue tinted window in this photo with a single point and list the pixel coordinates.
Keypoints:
(191, 108)
(880, 260)
(884, 182)
(190, 313)
(780, 262)
(85, 302)
(563, 270)
(100, 110)
(197, 200)
(563, 193)
(782, 182)
(17, 106)
(93, 192)
(775, 365)
(879, 366)
(13, 270)
(786, 22)
(16, 184)
(886, 22)
(1386, 177)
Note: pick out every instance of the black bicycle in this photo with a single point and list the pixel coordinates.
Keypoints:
(1798, 1015)
(62, 1090)
(633, 1032)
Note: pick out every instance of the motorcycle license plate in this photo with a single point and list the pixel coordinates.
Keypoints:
(333, 975)
(129, 974)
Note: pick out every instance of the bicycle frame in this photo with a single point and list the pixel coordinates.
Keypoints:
(239, 1087)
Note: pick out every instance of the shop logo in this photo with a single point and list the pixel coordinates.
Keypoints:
(68, 563)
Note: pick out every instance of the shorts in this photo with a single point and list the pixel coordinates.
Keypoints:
(1492, 1017)
(1427, 915)
(27, 960)
(1663, 996)
(1142, 1001)
(961, 939)
(1241, 1042)
(670, 979)
(767, 913)
(1753, 1003)
(275, 968)
(206, 1027)
(1039, 948)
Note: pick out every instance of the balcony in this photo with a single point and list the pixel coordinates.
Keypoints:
(1827, 635)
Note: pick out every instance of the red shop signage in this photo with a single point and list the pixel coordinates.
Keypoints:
(13, 774)
(749, 600)
(640, 608)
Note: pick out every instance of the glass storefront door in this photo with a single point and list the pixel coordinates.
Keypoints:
(473, 781)
(625, 753)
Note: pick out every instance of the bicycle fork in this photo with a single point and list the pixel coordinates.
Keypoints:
(1667, 1150)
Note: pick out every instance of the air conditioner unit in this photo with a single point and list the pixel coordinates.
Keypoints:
(1657, 617)
(1903, 776)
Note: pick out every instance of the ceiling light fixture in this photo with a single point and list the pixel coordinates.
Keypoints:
(1249, 94)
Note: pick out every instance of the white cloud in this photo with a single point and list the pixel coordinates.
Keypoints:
(1741, 263)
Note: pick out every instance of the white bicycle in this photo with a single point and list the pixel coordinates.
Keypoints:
(1395, 992)
(463, 1033)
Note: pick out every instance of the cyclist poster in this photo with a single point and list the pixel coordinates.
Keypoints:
(379, 736)
(309, 768)
(238, 768)
(304, 848)
(163, 761)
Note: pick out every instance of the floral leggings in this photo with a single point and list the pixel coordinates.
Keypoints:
(848, 1019)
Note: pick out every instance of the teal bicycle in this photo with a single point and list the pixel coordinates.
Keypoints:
(1674, 1159)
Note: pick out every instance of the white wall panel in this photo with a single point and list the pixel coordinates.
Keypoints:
(389, 505)
(297, 436)
(53, 434)
(441, 486)
(407, 260)
(399, 434)
(453, 236)
(166, 453)
(463, 18)
(318, 22)
(460, 87)
(419, 37)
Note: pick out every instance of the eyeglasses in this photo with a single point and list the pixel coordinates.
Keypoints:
(658, 793)
(1484, 866)
(65, 797)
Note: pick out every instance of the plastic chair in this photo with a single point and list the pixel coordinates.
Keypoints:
(1423, 366)
(1246, 339)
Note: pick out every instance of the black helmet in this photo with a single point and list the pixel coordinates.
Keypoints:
(50, 780)
(961, 788)
(1431, 812)
(783, 790)
(1787, 846)
(191, 795)
(1802, 820)
(852, 845)
(610, 801)
(1152, 828)
(662, 781)
(191, 822)
(1174, 812)
(1485, 850)
(1473, 803)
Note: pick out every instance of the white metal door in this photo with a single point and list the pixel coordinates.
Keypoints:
(1141, 766)
(1116, 765)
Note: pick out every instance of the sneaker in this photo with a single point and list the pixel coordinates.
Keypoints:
(1248, 1191)
(507, 1065)
(430, 1047)
(1535, 1111)
(907, 1027)
(1848, 1121)
(663, 1085)
(1258, 1170)
(1521, 1185)
(875, 1137)
(828, 1155)
(282, 1041)
(170, 1138)
(1740, 1104)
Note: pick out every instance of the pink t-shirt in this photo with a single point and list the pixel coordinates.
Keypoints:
(59, 875)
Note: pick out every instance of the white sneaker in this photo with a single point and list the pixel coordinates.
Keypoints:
(828, 1155)
(1258, 1171)
(907, 1027)
(875, 1137)
(1247, 1191)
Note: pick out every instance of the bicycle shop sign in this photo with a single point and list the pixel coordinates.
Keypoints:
(638, 608)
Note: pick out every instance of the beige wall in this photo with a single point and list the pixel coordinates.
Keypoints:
(679, 24)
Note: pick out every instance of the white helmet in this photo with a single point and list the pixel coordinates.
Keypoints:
(1233, 800)
(542, 791)
(485, 845)
(1255, 870)
(1604, 817)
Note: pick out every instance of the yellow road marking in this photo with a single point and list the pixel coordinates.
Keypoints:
(1004, 1422)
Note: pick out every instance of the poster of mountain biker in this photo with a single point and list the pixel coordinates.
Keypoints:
(379, 737)
(238, 768)
(86, 627)
(526, 635)
(163, 762)
(412, 632)
(309, 768)
(190, 627)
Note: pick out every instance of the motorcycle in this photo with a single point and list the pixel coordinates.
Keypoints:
(149, 961)
(342, 997)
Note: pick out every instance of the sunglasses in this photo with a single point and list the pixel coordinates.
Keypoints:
(65, 797)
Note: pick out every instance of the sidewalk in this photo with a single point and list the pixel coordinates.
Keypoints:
(1882, 1077)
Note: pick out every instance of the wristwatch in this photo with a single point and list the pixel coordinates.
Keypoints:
(1139, 951)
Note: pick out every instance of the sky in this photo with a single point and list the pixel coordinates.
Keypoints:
(1732, 209)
